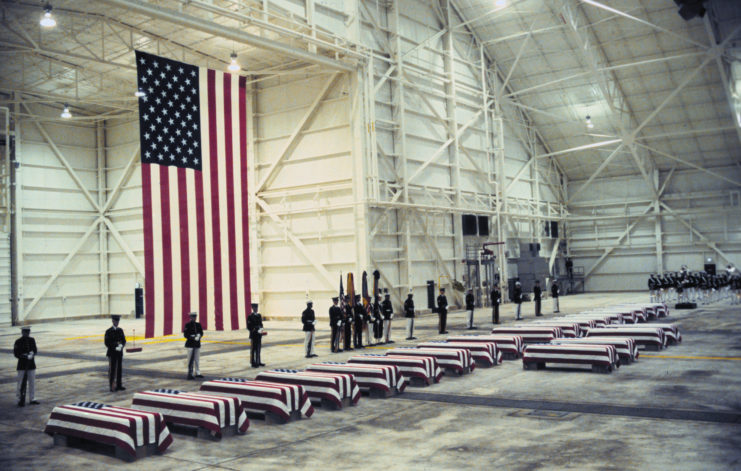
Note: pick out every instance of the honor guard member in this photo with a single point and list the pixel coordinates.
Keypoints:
(517, 295)
(25, 351)
(193, 333)
(254, 325)
(496, 299)
(348, 322)
(308, 319)
(359, 320)
(554, 294)
(442, 312)
(115, 341)
(367, 321)
(537, 292)
(652, 288)
(377, 321)
(388, 313)
(335, 323)
(409, 314)
(470, 306)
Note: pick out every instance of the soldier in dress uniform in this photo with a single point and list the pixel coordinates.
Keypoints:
(25, 350)
(254, 325)
(554, 294)
(348, 322)
(496, 299)
(335, 323)
(388, 313)
(359, 319)
(115, 340)
(409, 314)
(470, 306)
(367, 321)
(517, 295)
(377, 321)
(193, 333)
(308, 319)
(537, 292)
(442, 312)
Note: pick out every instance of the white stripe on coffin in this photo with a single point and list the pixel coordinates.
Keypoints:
(505, 343)
(366, 375)
(484, 352)
(330, 387)
(643, 336)
(533, 334)
(671, 332)
(294, 397)
(624, 346)
(454, 359)
(424, 367)
(568, 328)
(210, 411)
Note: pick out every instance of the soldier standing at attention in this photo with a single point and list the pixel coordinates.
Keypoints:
(349, 317)
(496, 298)
(25, 351)
(388, 312)
(409, 314)
(442, 312)
(536, 297)
(114, 342)
(254, 325)
(470, 306)
(308, 319)
(517, 295)
(359, 318)
(335, 323)
(554, 295)
(193, 333)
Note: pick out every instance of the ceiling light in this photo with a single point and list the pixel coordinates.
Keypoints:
(65, 113)
(139, 93)
(500, 3)
(590, 124)
(234, 65)
(47, 20)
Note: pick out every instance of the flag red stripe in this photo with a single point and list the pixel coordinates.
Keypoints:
(166, 248)
(201, 230)
(148, 250)
(244, 194)
(184, 249)
(215, 220)
(228, 151)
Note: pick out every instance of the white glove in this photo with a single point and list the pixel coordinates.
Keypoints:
(313, 322)
(260, 331)
(119, 347)
(29, 355)
(198, 337)
(339, 323)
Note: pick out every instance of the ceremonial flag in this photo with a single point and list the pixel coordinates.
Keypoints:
(351, 289)
(366, 296)
(193, 126)
(342, 293)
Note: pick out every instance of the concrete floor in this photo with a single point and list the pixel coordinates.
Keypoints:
(679, 409)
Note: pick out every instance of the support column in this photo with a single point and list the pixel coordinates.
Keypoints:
(102, 230)
(657, 223)
(254, 216)
(16, 227)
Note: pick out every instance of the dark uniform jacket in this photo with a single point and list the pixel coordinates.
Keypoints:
(496, 296)
(349, 314)
(335, 316)
(114, 336)
(442, 303)
(409, 308)
(470, 302)
(517, 293)
(554, 290)
(308, 317)
(387, 309)
(536, 293)
(23, 346)
(254, 324)
(192, 329)
(360, 314)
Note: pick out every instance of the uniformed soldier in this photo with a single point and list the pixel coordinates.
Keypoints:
(308, 319)
(335, 323)
(409, 314)
(388, 313)
(254, 325)
(517, 295)
(115, 340)
(442, 311)
(377, 321)
(349, 321)
(367, 320)
(359, 319)
(496, 299)
(193, 333)
(470, 306)
(537, 292)
(554, 294)
(25, 351)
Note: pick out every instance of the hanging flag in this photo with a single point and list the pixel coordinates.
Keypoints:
(351, 289)
(342, 294)
(366, 297)
(376, 277)
(193, 126)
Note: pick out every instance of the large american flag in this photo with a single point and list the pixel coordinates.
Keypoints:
(192, 124)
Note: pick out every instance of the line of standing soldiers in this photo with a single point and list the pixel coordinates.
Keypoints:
(695, 286)
(353, 321)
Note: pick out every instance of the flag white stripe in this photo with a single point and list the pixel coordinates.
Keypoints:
(159, 301)
(222, 196)
(237, 171)
(206, 177)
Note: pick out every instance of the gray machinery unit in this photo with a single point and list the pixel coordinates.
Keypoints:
(481, 259)
(527, 268)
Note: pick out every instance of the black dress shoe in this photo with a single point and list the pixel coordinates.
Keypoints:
(307, 356)
(199, 376)
(313, 355)
(21, 404)
(390, 341)
(189, 377)
(262, 364)
(35, 402)
(409, 338)
(120, 388)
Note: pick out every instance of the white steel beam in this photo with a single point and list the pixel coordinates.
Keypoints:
(690, 164)
(123, 180)
(124, 246)
(702, 237)
(596, 173)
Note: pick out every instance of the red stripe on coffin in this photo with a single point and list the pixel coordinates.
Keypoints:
(624, 346)
(333, 387)
(485, 353)
(594, 355)
(264, 396)
(424, 368)
(643, 336)
(511, 344)
(454, 359)
(387, 378)
(531, 334)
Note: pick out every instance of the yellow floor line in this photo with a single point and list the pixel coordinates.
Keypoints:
(688, 357)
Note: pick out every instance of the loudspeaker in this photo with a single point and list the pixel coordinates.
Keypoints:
(469, 224)
(483, 225)
(554, 229)
(431, 295)
(139, 302)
